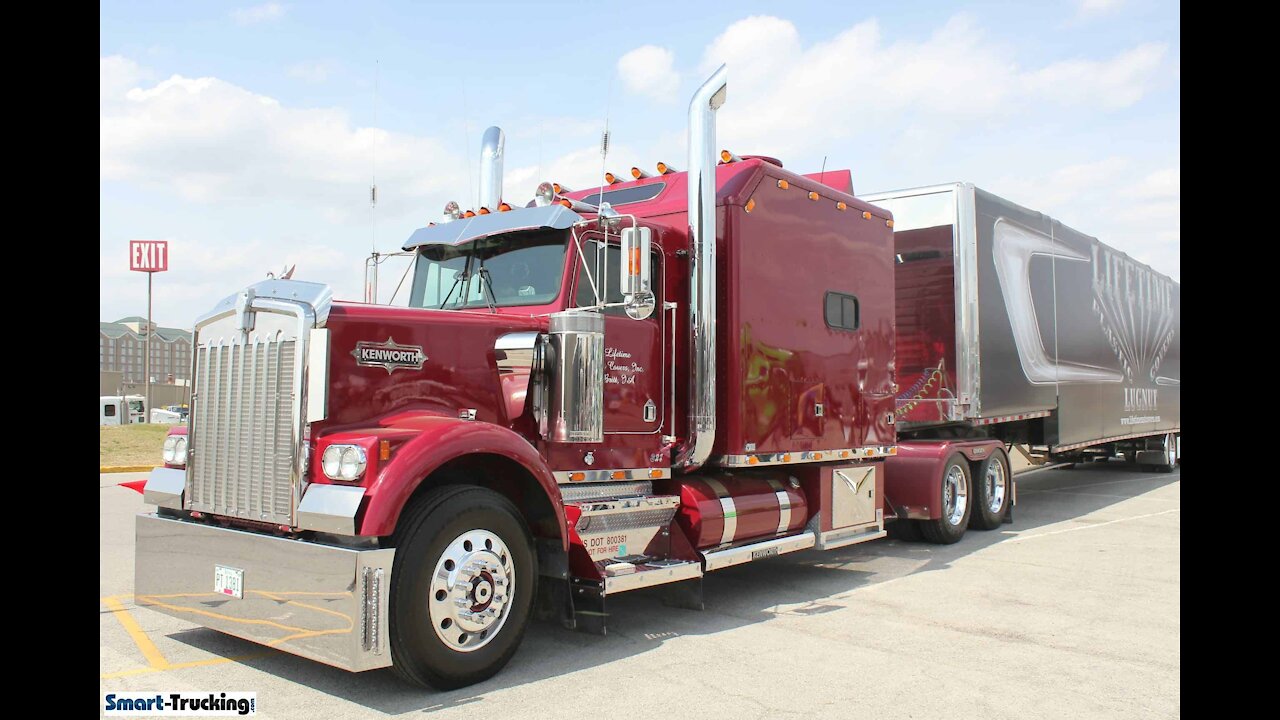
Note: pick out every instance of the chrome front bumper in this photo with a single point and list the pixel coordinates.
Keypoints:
(322, 602)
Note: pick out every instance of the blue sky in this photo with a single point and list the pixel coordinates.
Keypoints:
(245, 133)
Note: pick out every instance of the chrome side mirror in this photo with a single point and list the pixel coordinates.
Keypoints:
(635, 282)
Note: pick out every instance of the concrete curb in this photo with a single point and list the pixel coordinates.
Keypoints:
(126, 468)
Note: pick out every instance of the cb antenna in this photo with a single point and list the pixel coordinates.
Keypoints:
(373, 187)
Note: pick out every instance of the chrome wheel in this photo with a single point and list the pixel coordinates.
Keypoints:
(955, 495)
(996, 484)
(1170, 450)
(471, 590)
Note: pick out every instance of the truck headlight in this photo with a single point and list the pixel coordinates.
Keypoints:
(175, 450)
(343, 462)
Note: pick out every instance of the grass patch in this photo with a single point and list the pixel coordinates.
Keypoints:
(131, 444)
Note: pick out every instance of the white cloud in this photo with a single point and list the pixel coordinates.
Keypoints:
(1129, 208)
(787, 98)
(211, 140)
(312, 72)
(247, 184)
(1159, 185)
(1115, 83)
(117, 75)
(258, 13)
(1095, 8)
(650, 70)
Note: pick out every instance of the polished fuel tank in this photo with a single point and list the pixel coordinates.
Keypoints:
(726, 508)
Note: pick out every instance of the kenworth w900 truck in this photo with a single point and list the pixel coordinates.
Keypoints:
(636, 386)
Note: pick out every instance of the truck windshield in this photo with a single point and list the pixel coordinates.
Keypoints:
(503, 270)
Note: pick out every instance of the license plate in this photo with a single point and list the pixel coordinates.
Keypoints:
(228, 581)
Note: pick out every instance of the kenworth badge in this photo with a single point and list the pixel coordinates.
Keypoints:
(389, 356)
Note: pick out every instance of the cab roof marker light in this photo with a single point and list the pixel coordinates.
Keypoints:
(560, 189)
(727, 157)
(784, 184)
(612, 179)
(665, 169)
(639, 174)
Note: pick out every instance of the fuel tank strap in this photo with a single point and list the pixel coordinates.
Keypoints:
(727, 507)
(784, 505)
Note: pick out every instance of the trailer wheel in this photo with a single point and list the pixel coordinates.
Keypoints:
(954, 499)
(462, 587)
(992, 489)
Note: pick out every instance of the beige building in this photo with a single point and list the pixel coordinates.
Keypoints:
(121, 345)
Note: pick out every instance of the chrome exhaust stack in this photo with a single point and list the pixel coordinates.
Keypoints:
(702, 272)
(491, 168)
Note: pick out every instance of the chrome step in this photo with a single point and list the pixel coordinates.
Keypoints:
(757, 551)
(604, 491)
(649, 572)
(833, 539)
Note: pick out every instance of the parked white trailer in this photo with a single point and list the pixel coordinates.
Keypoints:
(121, 409)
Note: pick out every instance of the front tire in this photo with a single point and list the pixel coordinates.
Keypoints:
(992, 490)
(954, 499)
(462, 587)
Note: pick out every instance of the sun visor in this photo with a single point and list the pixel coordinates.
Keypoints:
(548, 217)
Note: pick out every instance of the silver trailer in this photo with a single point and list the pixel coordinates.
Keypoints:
(1046, 333)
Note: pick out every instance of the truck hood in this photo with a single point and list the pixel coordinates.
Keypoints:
(394, 361)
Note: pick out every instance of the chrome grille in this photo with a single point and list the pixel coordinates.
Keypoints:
(242, 427)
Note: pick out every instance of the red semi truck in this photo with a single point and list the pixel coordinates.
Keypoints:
(631, 387)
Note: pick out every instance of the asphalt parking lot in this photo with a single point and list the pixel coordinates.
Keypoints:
(1071, 611)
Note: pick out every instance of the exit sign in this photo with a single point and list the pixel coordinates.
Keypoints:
(149, 255)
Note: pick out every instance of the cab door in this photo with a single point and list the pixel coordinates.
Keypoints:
(636, 381)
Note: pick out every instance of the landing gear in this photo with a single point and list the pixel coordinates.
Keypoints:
(462, 588)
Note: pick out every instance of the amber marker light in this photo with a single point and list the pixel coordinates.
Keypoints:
(655, 473)
(504, 208)
(784, 184)
(786, 458)
(813, 195)
(817, 456)
(866, 214)
(611, 178)
(638, 174)
(484, 211)
(753, 460)
(619, 475)
(560, 189)
(565, 202)
(577, 476)
(888, 223)
(384, 450)
(468, 214)
(751, 205)
(728, 157)
(840, 205)
(664, 169)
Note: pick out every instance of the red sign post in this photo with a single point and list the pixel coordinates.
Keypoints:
(150, 257)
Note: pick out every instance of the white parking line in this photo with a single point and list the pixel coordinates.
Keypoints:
(1020, 538)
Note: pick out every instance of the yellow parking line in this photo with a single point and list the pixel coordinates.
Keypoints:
(148, 648)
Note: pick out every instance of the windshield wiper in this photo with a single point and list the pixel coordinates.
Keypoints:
(486, 283)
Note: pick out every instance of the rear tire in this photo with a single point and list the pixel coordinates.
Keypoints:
(955, 500)
(458, 544)
(992, 491)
